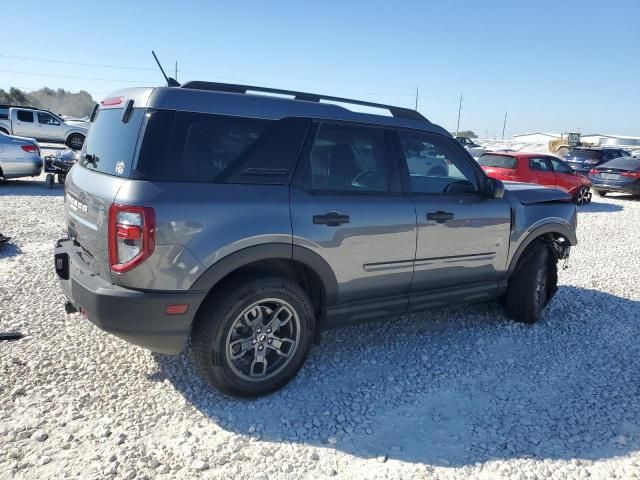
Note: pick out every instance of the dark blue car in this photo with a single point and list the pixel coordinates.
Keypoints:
(621, 175)
(582, 159)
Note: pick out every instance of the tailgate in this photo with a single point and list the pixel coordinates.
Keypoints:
(88, 196)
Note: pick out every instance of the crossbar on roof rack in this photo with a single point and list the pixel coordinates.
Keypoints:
(398, 112)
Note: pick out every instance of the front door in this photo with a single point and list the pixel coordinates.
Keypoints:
(48, 127)
(565, 176)
(463, 235)
(347, 206)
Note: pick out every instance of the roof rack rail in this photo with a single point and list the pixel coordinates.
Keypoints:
(398, 112)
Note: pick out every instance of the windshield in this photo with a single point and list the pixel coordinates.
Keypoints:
(111, 144)
(584, 154)
(497, 161)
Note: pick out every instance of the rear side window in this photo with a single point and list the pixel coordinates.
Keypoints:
(196, 147)
(347, 158)
(497, 161)
(111, 143)
(25, 116)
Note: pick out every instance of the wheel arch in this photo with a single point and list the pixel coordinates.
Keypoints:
(304, 266)
(549, 232)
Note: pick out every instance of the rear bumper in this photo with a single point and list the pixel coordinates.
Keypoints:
(632, 187)
(138, 317)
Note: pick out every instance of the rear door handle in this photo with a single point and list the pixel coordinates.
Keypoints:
(440, 216)
(331, 219)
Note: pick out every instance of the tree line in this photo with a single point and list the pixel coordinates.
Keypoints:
(58, 101)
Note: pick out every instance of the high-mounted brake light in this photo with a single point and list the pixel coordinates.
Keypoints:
(110, 102)
(132, 236)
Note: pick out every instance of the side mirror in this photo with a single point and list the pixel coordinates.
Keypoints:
(493, 188)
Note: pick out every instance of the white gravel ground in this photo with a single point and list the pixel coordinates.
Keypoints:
(454, 393)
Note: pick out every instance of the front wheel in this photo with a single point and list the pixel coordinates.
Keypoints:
(582, 196)
(49, 180)
(251, 339)
(532, 285)
(75, 141)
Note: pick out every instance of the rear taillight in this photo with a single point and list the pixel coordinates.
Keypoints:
(132, 236)
(593, 171)
(30, 148)
(631, 174)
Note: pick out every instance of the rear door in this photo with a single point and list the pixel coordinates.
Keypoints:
(23, 123)
(93, 183)
(347, 206)
(541, 171)
(463, 236)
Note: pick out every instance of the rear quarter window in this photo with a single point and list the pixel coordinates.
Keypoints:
(204, 148)
(497, 161)
(111, 144)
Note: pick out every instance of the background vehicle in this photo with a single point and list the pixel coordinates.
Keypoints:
(19, 157)
(467, 142)
(42, 125)
(621, 175)
(250, 223)
(561, 146)
(582, 159)
(536, 168)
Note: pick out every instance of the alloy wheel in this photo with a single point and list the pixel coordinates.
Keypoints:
(263, 339)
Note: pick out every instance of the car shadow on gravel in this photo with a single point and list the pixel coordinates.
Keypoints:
(455, 386)
(30, 187)
(599, 207)
(8, 250)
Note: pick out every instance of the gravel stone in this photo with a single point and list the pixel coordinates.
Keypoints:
(461, 392)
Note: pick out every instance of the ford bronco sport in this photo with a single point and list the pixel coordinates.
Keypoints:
(248, 223)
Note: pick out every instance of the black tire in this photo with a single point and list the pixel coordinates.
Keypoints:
(601, 193)
(75, 141)
(526, 297)
(49, 180)
(212, 331)
(582, 196)
(61, 179)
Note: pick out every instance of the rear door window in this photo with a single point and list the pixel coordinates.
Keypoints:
(347, 158)
(25, 116)
(111, 143)
(196, 147)
(540, 164)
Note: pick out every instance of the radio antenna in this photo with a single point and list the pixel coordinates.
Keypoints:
(171, 82)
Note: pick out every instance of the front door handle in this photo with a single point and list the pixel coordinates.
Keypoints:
(331, 219)
(440, 216)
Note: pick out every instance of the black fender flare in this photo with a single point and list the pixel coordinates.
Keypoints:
(271, 251)
(553, 228)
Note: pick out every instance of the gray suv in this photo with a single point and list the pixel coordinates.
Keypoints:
(247, 220)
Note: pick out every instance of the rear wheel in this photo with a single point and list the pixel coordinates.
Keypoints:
(49, 180)
(532, 285)
(61, 179)
(75, 141)
(251, 339)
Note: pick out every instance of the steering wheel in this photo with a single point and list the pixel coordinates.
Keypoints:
(466, 183)
(356, 180)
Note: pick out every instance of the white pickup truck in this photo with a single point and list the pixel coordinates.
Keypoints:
(42, 125)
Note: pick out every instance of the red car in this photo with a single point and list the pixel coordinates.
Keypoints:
(537, 168)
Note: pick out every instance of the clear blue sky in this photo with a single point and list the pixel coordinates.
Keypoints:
(554, 65)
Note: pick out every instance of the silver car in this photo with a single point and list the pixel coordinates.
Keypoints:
(248, 224)
(19, 157)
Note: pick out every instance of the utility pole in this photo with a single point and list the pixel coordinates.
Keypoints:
(504, 125)
(176, 77)
(459, 110)
(416, 99)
